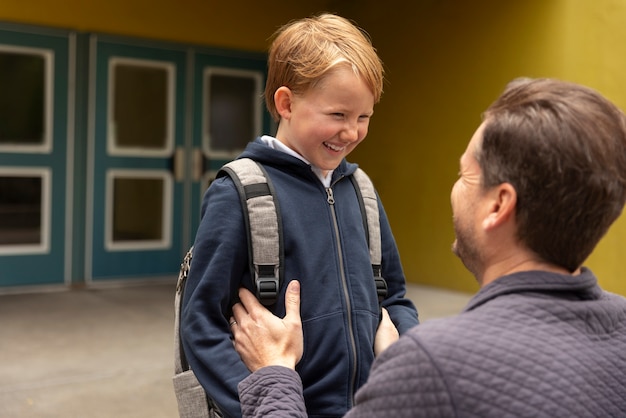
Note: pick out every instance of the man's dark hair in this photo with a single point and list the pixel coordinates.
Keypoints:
(562, 146)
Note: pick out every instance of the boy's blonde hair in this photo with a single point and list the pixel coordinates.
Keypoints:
(303, 51)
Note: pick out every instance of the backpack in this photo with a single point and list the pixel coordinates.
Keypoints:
(263, 224)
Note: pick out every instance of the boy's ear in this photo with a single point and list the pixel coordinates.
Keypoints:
(282, 101)
(501, 205)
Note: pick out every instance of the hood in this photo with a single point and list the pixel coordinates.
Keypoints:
(258, 151)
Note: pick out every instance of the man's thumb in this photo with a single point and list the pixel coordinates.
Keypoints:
(292, 300)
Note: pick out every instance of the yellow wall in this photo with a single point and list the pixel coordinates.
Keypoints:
(452, 65)
(232, 24)
(595, 36)
(446, 61)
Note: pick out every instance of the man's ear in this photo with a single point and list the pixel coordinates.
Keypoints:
(282, 100)
(501, 205)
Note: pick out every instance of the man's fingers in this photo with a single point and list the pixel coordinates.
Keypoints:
(292, 301)
(263, 339)
(249, 305)
(238, 313)
(385, 314)
(386, 334)
(247, 298)
(243, 309)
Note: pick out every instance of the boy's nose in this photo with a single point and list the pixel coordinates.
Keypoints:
(350, 132)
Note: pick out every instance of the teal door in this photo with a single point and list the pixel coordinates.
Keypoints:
(136, 154)
(35, 235)
(229, 112)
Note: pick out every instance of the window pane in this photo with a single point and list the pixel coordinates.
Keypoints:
(231, 111)
(140, 106)
(20, 210)
(22, 100)
(137, 209)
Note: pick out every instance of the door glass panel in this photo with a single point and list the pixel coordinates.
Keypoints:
(140, 210)
(24, 210)
(141, 107)
(24, 77)
(137, 209)
(20, 209)
(232, 111)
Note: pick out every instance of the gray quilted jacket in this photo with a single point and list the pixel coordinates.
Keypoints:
(531, 344)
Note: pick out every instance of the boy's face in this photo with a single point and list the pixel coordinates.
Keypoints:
(329, 120)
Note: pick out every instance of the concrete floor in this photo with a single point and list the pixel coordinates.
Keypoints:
(109, 352)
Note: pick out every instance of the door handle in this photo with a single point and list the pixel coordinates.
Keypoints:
(197, 164)
(179, 164)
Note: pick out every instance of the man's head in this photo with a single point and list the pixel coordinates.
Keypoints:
(562, 147)
(304, 51)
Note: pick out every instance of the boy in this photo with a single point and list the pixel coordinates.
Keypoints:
(324, 77)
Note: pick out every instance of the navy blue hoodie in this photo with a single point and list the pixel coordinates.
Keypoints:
(326, 250)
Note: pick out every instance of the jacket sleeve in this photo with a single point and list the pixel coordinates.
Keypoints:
(401, 310)
(272, 392)
(218, 267)
(404, 382)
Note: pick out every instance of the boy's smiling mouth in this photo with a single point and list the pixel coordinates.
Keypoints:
(333, 147)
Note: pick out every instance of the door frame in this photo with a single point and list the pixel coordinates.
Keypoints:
(48, 265)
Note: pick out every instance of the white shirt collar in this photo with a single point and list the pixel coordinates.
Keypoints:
(274, 143)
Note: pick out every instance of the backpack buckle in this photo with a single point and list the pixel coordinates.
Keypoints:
(381, 289)
(381, 284)
(267, 283)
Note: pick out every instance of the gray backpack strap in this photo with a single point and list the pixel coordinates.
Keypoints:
(265, 243)
(371, 222)
(180, 363)
(191, 398)
(262, 214)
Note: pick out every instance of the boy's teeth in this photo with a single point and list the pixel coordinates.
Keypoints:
(332, 147)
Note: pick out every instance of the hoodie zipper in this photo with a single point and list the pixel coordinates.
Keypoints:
(330, 198)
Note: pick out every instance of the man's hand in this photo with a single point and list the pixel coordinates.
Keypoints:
(386, 334)
(263, 339)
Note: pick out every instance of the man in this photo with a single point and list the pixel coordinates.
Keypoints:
(541, 181)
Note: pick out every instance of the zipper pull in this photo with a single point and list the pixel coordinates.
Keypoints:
(330, 198)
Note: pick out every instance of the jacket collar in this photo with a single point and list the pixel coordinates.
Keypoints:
(259, 151)
(583, 286)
